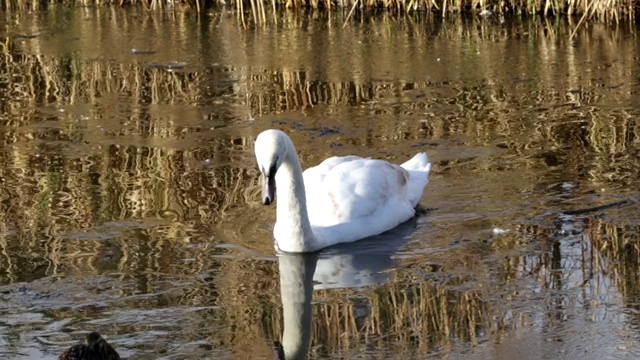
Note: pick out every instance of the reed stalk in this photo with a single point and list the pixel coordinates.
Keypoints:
(602, 10)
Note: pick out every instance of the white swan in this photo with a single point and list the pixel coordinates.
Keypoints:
(346, 199)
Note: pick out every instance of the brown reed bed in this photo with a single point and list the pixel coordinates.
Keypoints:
(261, 10)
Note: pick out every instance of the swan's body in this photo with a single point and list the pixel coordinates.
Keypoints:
(343, 199)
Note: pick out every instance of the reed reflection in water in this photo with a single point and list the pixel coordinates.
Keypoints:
(129, 197)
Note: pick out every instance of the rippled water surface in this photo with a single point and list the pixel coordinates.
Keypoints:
(129, 195)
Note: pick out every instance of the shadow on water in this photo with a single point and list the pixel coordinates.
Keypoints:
(363, 263)
(296, 289)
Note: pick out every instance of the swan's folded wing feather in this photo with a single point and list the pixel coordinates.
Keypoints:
(352, 188)
(314, 176)
(325, 167)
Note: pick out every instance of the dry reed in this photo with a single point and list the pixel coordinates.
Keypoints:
(602, 10)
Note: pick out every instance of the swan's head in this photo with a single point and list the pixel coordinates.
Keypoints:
(272, 146)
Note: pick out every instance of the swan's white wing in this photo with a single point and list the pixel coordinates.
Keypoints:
(346, 189)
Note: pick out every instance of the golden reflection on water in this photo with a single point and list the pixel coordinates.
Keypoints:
(129, 197)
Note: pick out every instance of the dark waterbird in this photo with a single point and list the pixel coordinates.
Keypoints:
(95, 348)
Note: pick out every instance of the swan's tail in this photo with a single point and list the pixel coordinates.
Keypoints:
(418, 168)
(420, 162)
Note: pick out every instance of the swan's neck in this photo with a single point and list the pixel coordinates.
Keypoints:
(293, 229)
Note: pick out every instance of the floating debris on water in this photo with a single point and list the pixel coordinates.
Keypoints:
(142, 52)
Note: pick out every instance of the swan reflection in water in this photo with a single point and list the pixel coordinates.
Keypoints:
(343, 266)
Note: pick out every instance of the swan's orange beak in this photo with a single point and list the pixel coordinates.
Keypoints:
(268, 187)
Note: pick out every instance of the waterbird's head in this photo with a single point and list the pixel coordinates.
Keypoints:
(272, 147)
(93, 338)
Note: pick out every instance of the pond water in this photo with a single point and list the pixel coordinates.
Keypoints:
(129, 197)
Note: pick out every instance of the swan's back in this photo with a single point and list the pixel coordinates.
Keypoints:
(357, 195)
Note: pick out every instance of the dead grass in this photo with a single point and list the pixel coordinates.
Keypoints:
(601, 10)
